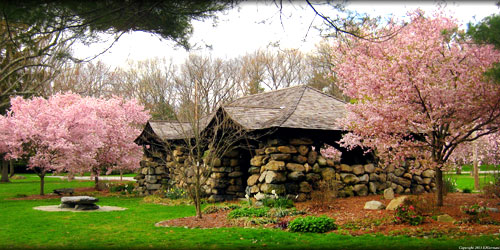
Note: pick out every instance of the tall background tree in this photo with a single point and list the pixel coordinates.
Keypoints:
(420, 94)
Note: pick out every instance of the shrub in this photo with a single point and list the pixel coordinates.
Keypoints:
(475, 212)
(280, 202)
(467, 190)
(312, 224)
(406, 214)
(248, 212)
(283, 225)
(424, 204)
(212, 209)
(449, 184)
(123, 188)
(282, 212)
(174, 193)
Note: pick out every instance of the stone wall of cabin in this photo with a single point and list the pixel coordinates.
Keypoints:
(294, 168)
(288, 167)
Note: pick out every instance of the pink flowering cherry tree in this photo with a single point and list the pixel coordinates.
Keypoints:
(420, 94)
(67, 132)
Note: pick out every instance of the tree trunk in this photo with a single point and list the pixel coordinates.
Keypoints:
(12, 170)
(197, 202)
(5, 171)
(96, 180)
(459, 169)
(121, 175)
(42, 182)
(439, 186)
(475, 167)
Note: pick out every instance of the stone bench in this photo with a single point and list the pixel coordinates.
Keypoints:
(64, 191)
(79, 202)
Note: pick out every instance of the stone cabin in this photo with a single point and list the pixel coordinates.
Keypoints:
(297, 122)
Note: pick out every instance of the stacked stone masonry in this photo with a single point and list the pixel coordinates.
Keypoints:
(153, 173)
(293, 168)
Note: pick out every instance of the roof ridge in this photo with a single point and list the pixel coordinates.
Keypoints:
(323, 93)
(265, 93)
(288, 115)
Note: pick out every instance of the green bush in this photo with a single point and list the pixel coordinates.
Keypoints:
(279, 202)
(248, 212)
(123, 188)
(467, 190)
(174, 193)
(312, 224)
(407, 214)
(449, 184)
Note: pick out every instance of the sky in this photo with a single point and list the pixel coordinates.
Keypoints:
(257, 25)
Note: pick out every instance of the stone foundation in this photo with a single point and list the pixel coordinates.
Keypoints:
(289, 167)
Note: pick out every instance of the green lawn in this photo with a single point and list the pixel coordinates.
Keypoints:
(24, 227)
(467, 168)
(467, 181)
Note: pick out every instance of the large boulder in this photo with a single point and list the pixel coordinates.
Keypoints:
(305, 187)
(364, 178)
(396, 202)
(253, 179)
(303, 150)
(349, 178)
(369, 168)
(361, 189)
(281, 157)
(268, 188)
(296, 176)
(257, 160)
(345, 168)
(287, 149)
(374, 205)
(388, 194)
(311, 157)
(428, 173)
(275, 177)
(274, 166)
(328, 174)
(295, 167)
(358, 169)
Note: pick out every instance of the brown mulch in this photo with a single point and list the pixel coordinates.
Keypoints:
(349, 211)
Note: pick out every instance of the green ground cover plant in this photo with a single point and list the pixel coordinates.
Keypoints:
(23, 227)
(312, 224)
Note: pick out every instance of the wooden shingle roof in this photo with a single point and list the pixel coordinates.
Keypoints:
(294, 107)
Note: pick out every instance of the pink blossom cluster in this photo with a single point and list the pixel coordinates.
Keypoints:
(330, 152)
(67, 132)
(419, 94)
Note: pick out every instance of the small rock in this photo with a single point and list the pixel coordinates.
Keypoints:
(252, 179)
(428, 173)
(361, 189)
(492, 209)
(374, 205)
(287, 149)
(345, 168)
(445, 218)
(259, 196)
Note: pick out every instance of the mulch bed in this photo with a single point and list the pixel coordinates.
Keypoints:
(350, 210)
